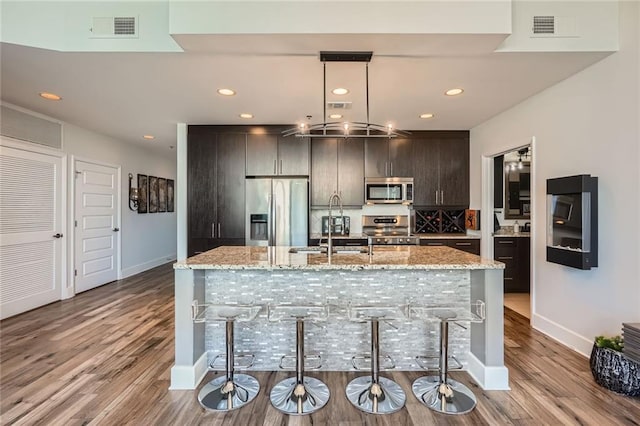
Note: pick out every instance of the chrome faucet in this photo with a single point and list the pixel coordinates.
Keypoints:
(334, 196)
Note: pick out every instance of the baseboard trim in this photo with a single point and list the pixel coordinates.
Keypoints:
(187, 377)
(133, 270)
(489, 378)
(562, 335)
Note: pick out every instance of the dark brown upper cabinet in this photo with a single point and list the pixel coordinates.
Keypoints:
(337, 165)
(275, 155)
(441, 168)
(388, 157)
(215, 187)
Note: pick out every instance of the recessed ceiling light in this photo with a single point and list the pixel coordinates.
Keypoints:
(246, 115)
(149, 137)
(50, 96)
(427, 115)
(453, 92)
(340, 91)
(334, 116)
(226, 92)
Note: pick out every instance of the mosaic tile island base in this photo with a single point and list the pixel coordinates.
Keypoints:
(392, 276)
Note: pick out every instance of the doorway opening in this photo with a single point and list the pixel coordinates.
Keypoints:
(509, 195)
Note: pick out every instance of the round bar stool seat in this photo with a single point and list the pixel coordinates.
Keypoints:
(299, 395)
(440, 393)
(231, 391)
(374, 394)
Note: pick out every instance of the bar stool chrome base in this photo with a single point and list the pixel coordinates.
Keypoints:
(433, 393)
(216, 396)
(390, 399)
(313, 395)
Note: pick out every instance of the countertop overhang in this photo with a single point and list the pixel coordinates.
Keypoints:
(396, 257)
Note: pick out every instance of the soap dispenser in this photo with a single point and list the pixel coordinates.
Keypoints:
(516, 227)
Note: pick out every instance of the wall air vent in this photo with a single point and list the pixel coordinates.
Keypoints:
(114, 27)
(544, 24)
(338, 105)
(22, 125)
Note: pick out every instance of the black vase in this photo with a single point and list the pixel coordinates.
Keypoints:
(614, 371)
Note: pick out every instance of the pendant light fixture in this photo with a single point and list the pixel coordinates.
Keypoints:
(352, 129)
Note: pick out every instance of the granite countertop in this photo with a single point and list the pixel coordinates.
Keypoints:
(448, 236)
(421, 236)
(510, 233)
(338, 236)
(398, 257)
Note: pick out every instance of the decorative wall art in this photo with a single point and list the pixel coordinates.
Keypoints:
(143, 190)
(153, 194)
(162, 194)
(170, 195)
(472, 219)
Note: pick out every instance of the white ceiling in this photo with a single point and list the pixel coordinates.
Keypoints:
(279, 80)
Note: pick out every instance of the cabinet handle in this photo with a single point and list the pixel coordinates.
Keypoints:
(280, 166)
(116, 229)
(213, 230)
(505, 257)
(436, 197)
(58, 235)
(441, 196)
(219, 233)
(508, 279)
(275, 171)
(435, 244)
(391, 168)
(505, 242)
(463, 244)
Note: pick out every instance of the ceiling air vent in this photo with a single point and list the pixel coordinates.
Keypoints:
(338, 105)
(114, 27)
(544, 24)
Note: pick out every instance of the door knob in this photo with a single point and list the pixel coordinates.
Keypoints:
(116, 229)
(57, 235)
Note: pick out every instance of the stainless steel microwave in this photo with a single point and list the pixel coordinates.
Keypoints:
(388, 190)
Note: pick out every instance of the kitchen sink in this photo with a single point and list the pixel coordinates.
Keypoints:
(323, 250)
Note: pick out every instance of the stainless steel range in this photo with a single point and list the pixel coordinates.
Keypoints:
(388, 230)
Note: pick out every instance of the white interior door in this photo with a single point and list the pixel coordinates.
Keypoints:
(31, 239)
(96, 227)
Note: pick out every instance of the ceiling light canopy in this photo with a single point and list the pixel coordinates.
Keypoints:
(353, 129)
(454, 92)
(246, 115)
(226, 92)
(50, 96)
(426, 115)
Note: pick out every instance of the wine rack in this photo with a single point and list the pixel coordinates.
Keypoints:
(439, 222)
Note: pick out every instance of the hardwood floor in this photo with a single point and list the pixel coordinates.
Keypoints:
(519, 302)
(104, 357)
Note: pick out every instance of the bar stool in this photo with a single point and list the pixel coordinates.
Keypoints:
(374, 394)
(440, 393)
(230, 391)
(299, 395)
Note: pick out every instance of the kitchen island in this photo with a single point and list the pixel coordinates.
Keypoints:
(392, 276)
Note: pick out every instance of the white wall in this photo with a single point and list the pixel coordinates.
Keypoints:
(585, 124)
(148, 239)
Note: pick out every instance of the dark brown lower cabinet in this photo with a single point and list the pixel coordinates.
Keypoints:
(514, 252)
(470, 245)
(200, 245)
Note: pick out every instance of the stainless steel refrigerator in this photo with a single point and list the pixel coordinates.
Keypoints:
(277, 212)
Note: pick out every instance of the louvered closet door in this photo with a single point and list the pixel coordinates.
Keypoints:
(97, 230)
(30, 223)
